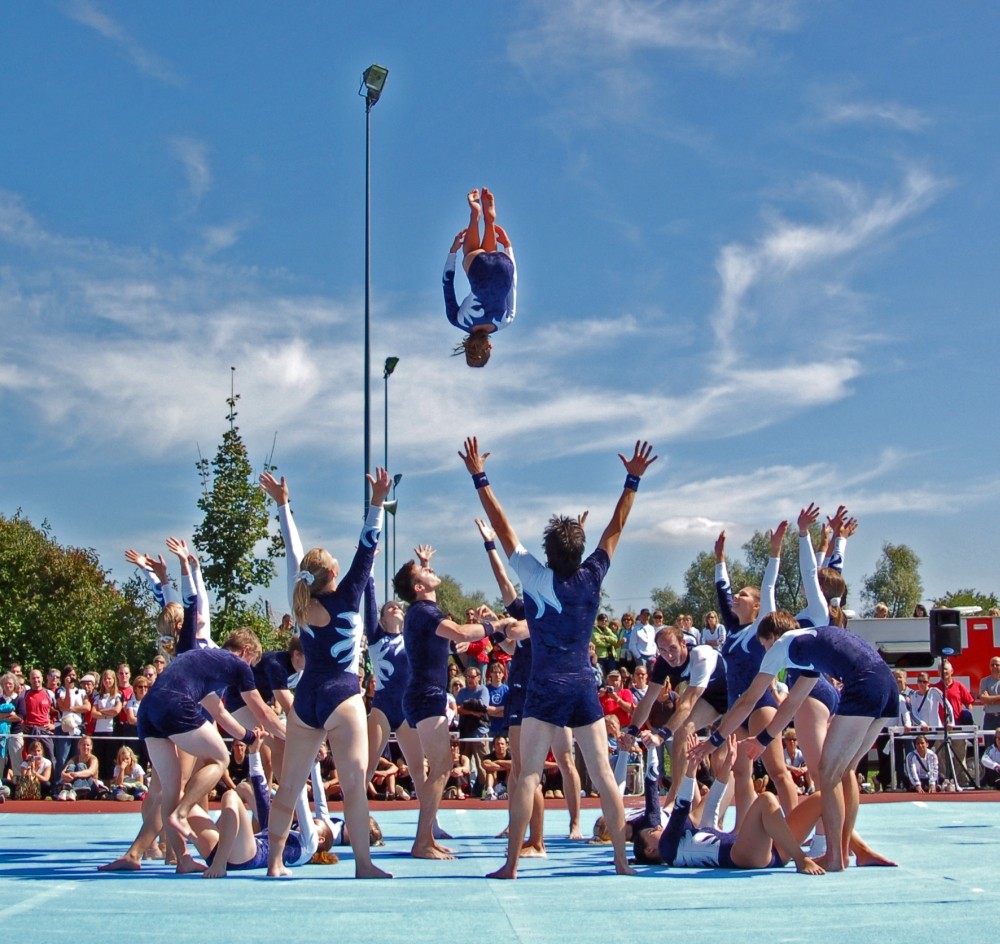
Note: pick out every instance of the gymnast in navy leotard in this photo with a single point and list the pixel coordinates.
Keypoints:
(492, 277)
(328, 703)
(561, 599)
(391, 668)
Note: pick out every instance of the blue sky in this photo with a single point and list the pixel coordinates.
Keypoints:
(758, 233)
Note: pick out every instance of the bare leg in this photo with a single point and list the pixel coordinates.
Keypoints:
(163, 756)
(562, 750)
(378, 737)
(489, 243)
(765, 827)
(435, 746)
(774, 761)
(346, 728)
(301, 747)
(534, 845)
(742, 780)
(536, 737)
(471, 247)
(593, 741)
(152, 823)
(236, 839)
(207, 745)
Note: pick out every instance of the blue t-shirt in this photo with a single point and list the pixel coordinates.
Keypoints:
(427, 652)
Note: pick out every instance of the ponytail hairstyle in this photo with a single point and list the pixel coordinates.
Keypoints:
(831, 582)
(776, 624)
(171, 616)
(315, 571)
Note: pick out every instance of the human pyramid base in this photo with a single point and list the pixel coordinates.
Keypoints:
(552, 699)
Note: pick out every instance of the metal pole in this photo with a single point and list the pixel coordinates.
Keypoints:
(385, 537)
(368, 290)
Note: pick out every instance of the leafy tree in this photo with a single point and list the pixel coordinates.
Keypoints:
(896, 582)
(235, 521)
(57, 604)
(788, 590)
(451, 598)
(968, 597)
(668, 600)
(699, 583)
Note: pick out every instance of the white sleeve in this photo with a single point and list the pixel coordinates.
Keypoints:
(204, 628)
(511, 306)
(537, 581)
(768, 604)
(702, 665)
(319, 794)
(163, 593)
(293, 545)
(713, 803)
(776, 658)
(817, 611)
(991, 759)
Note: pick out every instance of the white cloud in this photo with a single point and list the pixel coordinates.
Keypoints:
(891, 114)
(88, 13)
(193, 155)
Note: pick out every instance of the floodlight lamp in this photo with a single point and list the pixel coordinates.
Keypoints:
(390, 506)
(390, 366)
(372, 83)
(396, 479)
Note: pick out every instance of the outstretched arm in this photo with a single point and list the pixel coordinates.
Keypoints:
(474, 463)
(448, 281)
(634, 468)
(278, 490)
(507, 590)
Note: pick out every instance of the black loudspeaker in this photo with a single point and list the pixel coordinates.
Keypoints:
(946, 633)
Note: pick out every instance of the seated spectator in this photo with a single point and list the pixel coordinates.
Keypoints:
(457, 787)
(80, 780)
(129, 779)
(640, 682)
(496, 767)
(35, 775)
(713, 633)
(382, 786)
(990, 762)
(921, 767)
(796, 762)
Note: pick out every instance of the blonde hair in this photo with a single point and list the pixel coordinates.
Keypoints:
(244, 638)
(132, 759)
(170, 616)
(318, 562)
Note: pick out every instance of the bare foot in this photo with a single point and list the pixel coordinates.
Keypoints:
(506, 873)
(447, 850)
(534, 850)
(575, 833)
(809, 867)
(278, 871)
(489, 207)
(871, 857)
(474, 203)
(187, 866)
(215, 870)
(371, 871)
(178, 820)
(432, 851)
(124, 864)
(439, 833)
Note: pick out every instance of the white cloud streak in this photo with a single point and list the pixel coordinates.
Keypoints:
(889, 114)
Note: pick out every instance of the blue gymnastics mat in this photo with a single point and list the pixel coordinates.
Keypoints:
(947, 882)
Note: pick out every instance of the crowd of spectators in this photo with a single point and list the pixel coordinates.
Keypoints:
(67, 735)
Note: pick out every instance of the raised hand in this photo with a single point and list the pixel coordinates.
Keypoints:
(134, 557)
(424, 554)
(276, 489)
(807, 517)
(471, 457)
(502, 237)
(380, 482)
(457, 243)
(838, 521)
(850, 526)
(640, 460)
(485, 530)
(720, 548)
(777, 536)
(178, 548)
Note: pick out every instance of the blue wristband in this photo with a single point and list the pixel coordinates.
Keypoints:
(764, 739)
(716, 739)
(489, 545)
(479, 480)
(633, 730)
(632, 482)
(664, 733)
(248, 737)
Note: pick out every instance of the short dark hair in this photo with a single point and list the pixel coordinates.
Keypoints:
(403, 580)
(563, 540)
(776, 624)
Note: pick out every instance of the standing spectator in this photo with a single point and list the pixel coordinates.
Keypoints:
(989, 695)
(499, 691)
(958, 699)
(926, 704)
(640, 682)
(159, 663)
(34, 706)
(107, 705)
(624, 634)
(713, 633)
(605, 640)
(903, 720)
(74, 707)
(641, 647)
(991, 764)
(881, 611)
(124, 678)
(922, 767)
(15, 669)
(595, 666)
(615, 701)
(473, 722)
(11, 729)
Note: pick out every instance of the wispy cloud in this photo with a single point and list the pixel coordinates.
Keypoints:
(89, 13)
(891, 114)
(193, 156)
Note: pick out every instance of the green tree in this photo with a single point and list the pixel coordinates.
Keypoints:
(451, 598)
(968, 597)
(235, 521)
(668, 600)
(699, 584)
(57, 604)
(788, 590)
(896, 582)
